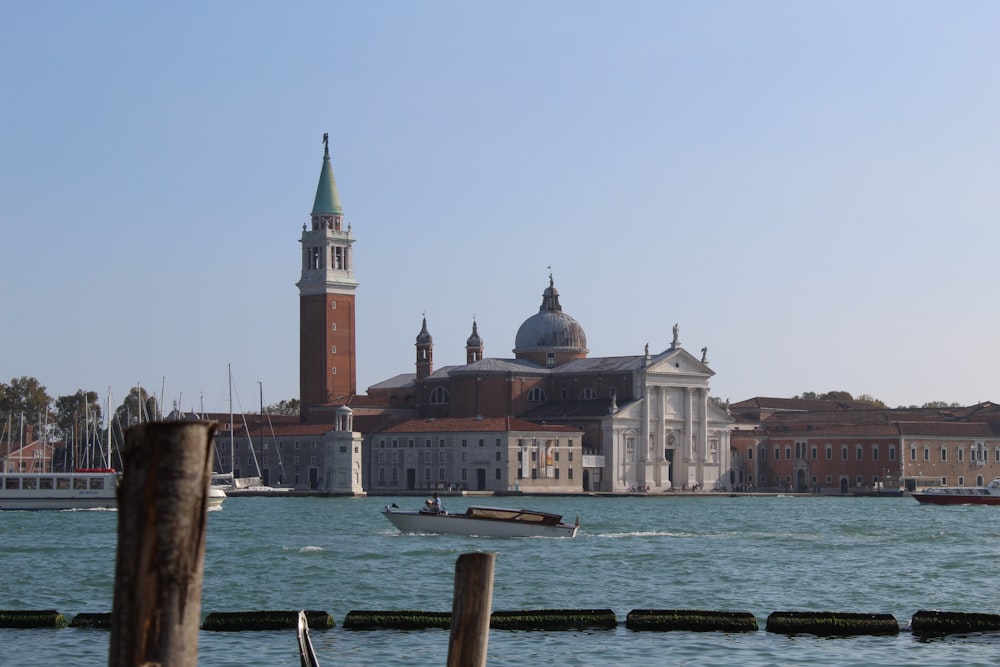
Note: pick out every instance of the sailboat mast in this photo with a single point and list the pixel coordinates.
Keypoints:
(232, 446)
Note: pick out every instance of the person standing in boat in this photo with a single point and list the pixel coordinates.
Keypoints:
(436, 504)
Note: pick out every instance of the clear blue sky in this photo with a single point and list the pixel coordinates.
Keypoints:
(809, 189)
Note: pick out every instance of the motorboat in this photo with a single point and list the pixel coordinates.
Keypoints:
(961, 495)
(216, 496)
(481, 521)
(87, 488)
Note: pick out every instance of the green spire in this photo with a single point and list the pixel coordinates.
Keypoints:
(327, 199)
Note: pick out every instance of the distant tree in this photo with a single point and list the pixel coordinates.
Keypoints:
(807, 395)
(287, 407)
(837, 396)
(939, 404)
(723, 404)
(75, 413)
(871, 399)
(26, 396)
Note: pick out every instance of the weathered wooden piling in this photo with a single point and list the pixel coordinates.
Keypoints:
(926, 623)
(162, 505)
(831, 624)
(470, 610)
(31, 618)
(554, 619)
(691, 620)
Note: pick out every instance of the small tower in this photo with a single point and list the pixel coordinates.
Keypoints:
(327, 354)
(474, 345)
(425, 352)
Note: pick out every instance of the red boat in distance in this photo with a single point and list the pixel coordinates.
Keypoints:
(961, 495)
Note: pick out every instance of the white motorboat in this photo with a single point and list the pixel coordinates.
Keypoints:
(90, 488)
(216, 496)
(482, 521)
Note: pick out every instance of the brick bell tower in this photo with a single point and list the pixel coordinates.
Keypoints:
(327, 354)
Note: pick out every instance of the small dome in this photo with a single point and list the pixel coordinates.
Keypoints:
(474, 340)
(550, 328)
(424, 337)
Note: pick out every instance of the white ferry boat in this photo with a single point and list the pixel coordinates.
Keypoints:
(87, 488)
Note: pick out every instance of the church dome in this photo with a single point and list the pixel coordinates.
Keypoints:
(550, 329)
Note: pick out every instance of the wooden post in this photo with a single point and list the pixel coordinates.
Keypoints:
(470, 610)
(162, 505)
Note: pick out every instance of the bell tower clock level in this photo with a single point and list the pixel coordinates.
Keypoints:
(327, 355)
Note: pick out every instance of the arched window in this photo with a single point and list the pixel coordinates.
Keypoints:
(587, 393)
(536, 395)
(440, 396)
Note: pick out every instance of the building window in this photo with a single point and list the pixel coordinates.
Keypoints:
(465, 456)
(499, 456)
(439, 396)
(749, 453)
(777, 453)
(465, 443)
(536, 395)
(961, 456)
(829, 452)
(312, 460)
(557, 473)
(465, 474)
(814, 452)
(996, 455)
(587, 394)
(788, 453)
(927, 454)
(482, 443)
(570, 474)
(333, 305)
(381, 474)
(427, 442)
(395, 474)
(333, 349)
(843, 452)
(961, 480)
(441, 474)
(427, 474)
(550, 359)
(333, 327)
(944, 453)
(564, 394)
(333, 371)
(858, 453)
(892, 452)
(498, 473)
(498, 442)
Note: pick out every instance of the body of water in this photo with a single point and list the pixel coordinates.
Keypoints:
(747, 554)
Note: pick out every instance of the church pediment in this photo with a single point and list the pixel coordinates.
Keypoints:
(678, 362)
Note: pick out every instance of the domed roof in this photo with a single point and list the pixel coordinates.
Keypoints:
(424, 337)
(474, 340)
(550, 328)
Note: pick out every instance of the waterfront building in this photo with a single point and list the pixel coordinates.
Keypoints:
(827, 446)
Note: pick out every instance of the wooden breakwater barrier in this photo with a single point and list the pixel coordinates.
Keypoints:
(939, 623)
(831, 624)
(691, 620)
(31, 618)
(923, 623)
(230, 621)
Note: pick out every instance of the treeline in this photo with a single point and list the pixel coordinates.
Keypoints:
(79, 419)
(868, 398)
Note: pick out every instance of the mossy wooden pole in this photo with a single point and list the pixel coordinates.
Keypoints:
(470, 610)
(162, 505)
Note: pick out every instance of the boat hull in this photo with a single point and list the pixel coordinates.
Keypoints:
(946, 499)
(459, 524)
